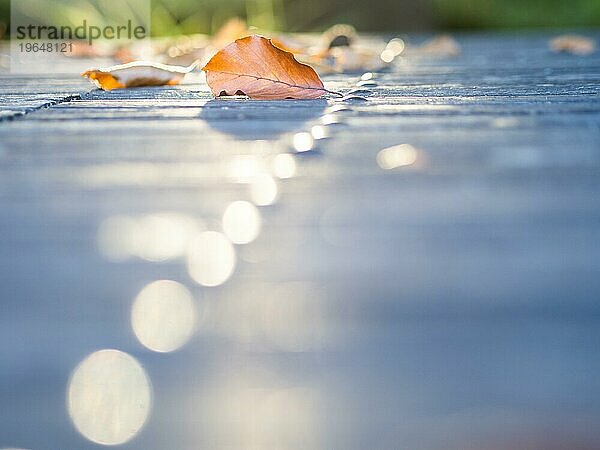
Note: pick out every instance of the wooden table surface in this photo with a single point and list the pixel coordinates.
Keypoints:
(449, 303)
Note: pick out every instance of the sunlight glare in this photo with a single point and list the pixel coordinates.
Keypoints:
(163, 236)
(263, 190)
(318, 132)
(109, 397)
(257, 414)
(241, 222)
(243, 168)
(366, 76)
(397, 156)
(153, 237)
(396, 46)
(387, 55)
(210, 258)
(284, 166)
(163, 316)
(303, 142)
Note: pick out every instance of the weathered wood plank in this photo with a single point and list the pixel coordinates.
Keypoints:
(448, 303)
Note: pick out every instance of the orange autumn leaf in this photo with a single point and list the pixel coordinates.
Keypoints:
(443, 45)
(253, 66)
(573, 43)
(137, 74)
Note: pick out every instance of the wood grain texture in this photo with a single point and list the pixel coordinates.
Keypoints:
(462, 295)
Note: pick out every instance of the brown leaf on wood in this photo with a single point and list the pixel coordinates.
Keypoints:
(255, 67)
(137, 74)
(572, 43)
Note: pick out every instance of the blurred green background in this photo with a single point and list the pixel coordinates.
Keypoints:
(171, 17)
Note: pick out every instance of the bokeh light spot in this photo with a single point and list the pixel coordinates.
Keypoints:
(284, 166)
(163, 236)
(109, 397)
(366, 76)
(241, 222)
(303, 142)
(263, 190)
(210, 258)
(397, 156)
(154, 237)
(163, 316)
(387, 55)
(318, 132)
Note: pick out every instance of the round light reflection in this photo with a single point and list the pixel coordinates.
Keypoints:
(153, 237)
(397, 156)
(366, 76)
(163, 316)
(109, 397)
(241, 222)
(396, 45)
(263, 190)
(387, 55)
(163, 236)
(210, 258)
(303, 142)
(284, 166)
(318, 132)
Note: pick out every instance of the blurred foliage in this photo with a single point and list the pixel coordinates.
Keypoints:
(457, 14)
(4, 16)
(290, 15)
(172, 17)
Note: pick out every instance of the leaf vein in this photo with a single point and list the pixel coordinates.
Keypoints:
(278, 82)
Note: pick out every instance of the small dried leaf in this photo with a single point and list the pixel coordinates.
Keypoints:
(137, 74)
(340, 51)
(443, 45)
(348, 59)
(572, 43)
(233, 29)
(345, 60)
(253, 65)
